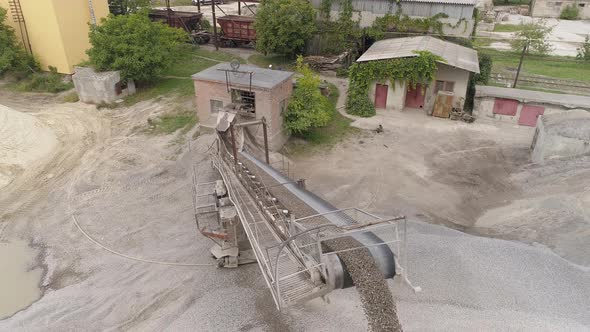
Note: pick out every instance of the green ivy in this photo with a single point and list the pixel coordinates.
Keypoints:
(416, 70)
(403, 23)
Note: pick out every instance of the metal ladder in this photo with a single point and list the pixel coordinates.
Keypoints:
(18, 17)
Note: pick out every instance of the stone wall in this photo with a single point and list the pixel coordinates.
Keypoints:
(561, 135)
(99, 88)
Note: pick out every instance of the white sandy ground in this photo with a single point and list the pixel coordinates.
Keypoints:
(24, 140)
(565, 38)
(132, 193)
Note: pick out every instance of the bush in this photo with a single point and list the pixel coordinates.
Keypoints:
(13, 57)
(45, 82)
(307, 108)
(284, 26)
(485, 71)
(584, 51)
(535, 36)
(139, 48)
(570, 12)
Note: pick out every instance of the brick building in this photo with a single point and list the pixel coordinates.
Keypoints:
(263, 92)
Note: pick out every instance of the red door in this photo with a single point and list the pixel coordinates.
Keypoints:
(529, 115)
(380, 95)
(415, 97)
(505, 106)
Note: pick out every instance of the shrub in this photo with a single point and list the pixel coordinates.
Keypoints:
(485, 70)
(139, 48)
(13, 57)
(584, 50)
(307, 108)
(570, 12)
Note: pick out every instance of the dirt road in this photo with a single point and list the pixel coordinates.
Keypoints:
(131, 193)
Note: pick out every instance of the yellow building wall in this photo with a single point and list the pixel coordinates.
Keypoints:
(58, 30)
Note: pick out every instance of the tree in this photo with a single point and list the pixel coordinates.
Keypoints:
(125, 7)
(307, 108)
(13, 56)
(283, 26)
(139, 48)
(485, 71)
(535, 36)
(584, 50)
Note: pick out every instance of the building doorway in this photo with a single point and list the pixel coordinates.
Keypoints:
(415, 96)
(381, 95)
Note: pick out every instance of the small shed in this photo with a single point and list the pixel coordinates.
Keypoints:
(451, 78)
(559, 135)
(523, 107)
(262, 92)
(100, 87)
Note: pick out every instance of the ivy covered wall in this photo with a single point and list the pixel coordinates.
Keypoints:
(416, 70)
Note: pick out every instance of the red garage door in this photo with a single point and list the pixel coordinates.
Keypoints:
(529, 115)
(505, 106)
(381, 95)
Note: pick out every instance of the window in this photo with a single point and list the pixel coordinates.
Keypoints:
(216, 105)
(582, 5)
(246, 100)
(444, 86)
(558, 4)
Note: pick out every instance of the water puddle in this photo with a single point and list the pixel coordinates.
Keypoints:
(19, 283)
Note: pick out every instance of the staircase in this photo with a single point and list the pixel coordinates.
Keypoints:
(17, 16)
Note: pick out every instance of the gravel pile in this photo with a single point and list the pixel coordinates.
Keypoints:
(375, 295)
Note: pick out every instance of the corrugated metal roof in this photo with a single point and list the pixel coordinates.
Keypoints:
(454, 55)
(453, 2)
(261, 78)
(527, 96)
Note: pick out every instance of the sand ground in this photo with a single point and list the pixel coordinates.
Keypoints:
(131, 193)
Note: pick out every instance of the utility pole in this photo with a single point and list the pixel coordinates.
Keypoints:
(214, 25)
(265, 133)
(526, 45)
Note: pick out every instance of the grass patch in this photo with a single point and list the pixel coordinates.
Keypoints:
(277, 61)
(43, 82)
(177, 79)
(71, 97)
(560, 67)
(335, 131)
(181, 119)
(507, 27)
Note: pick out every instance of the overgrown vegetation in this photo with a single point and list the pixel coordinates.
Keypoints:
(307, 108)
(511, 2)
(533, 35)
(399, 22)
(180, 119)
(584, 50)
(333, 132)
(139, 48)
(483, 78)
(340, 35)
(13, 57)
(570, 12)
(50, 81)
(283, 26)
(415, 70)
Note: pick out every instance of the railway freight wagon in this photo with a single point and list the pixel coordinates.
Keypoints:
(237, 30)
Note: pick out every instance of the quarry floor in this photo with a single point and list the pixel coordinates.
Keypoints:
(495, 242)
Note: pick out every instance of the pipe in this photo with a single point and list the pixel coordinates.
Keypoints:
(338, 275)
